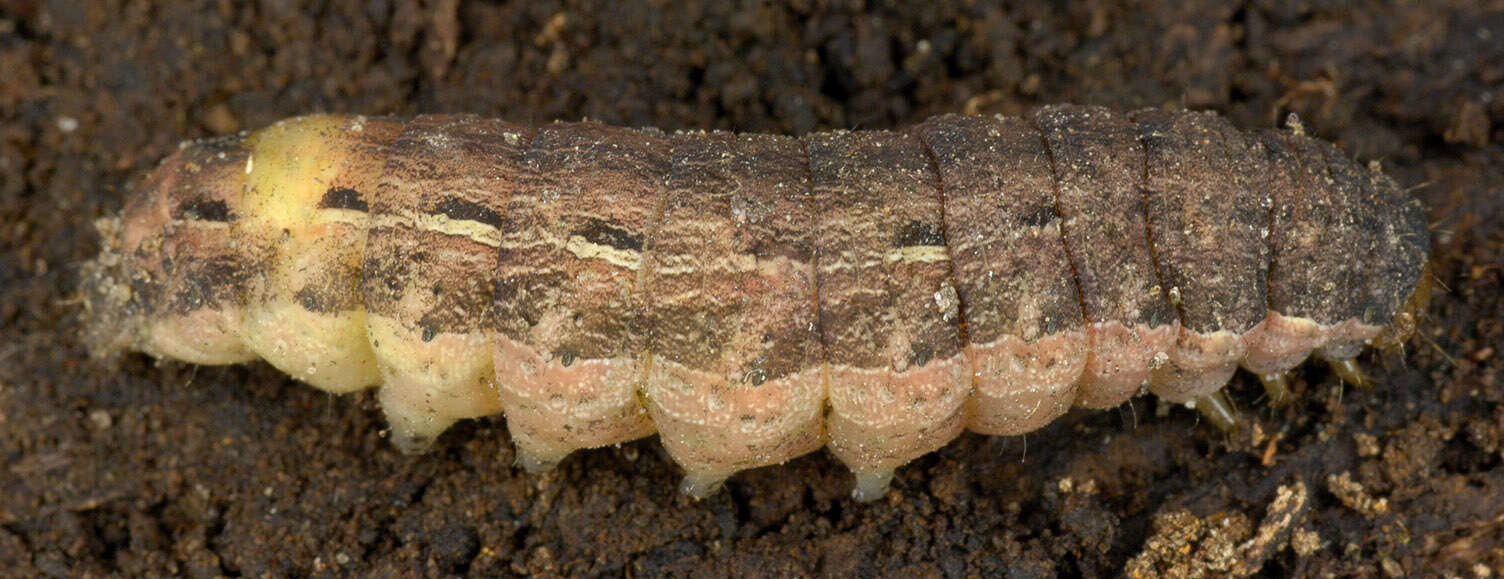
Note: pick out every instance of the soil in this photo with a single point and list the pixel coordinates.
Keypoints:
(146, 468)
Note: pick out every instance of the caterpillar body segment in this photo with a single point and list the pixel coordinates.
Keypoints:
(1027, 340)
(751, 298)
(435, 221)
(737, 378)
(1130, 323)
(897, 369)
(178, 292)
(1208, 213)
(570, 306)
(301, 237)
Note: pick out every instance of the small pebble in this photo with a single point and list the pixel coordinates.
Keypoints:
(101, 419)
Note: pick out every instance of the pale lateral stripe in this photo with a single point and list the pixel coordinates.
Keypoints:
(584, 249)
(674, 260)
(735, 263)
(478, 232)
(918, 254)
(517, 243)
(200, 224)
(911, 254)
(345, 216)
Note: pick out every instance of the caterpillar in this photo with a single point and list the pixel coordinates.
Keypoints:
(752, 298)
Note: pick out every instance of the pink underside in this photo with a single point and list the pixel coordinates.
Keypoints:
(1199, 364)
(1346, 339)
(881, 419)
(715, 425)
(1282, 343)
(1121, 360)
(1021, 386)
(553, 409)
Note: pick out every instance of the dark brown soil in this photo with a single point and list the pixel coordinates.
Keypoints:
(148, 469)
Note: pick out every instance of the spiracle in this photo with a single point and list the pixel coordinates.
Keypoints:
(752, 298)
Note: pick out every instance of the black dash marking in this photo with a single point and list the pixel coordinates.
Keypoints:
(456, 208)
(310, 300)
(920, 355)
(204, 210)
(600, 233)
(1039, 216)
(342, 198)
(917, 234)
(798, 251)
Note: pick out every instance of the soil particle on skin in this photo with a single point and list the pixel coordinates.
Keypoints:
(150, 469)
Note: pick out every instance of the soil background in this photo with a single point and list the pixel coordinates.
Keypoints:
(142, 468)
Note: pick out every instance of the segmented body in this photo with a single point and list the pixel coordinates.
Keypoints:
(752, 298)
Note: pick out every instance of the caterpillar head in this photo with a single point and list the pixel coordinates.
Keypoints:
(169, 279)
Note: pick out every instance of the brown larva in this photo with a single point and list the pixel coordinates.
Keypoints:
(752, 298)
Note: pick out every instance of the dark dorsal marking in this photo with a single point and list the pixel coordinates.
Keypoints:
(917, 234)
(1038, 216)
(920, 355)
(600, 233)
(342, 198)
(204, 210)
(801, 251)
(456, 208)
(312, 301)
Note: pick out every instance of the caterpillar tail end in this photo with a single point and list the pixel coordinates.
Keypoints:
(113, 320)
(1217, 409)
(871, 486)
